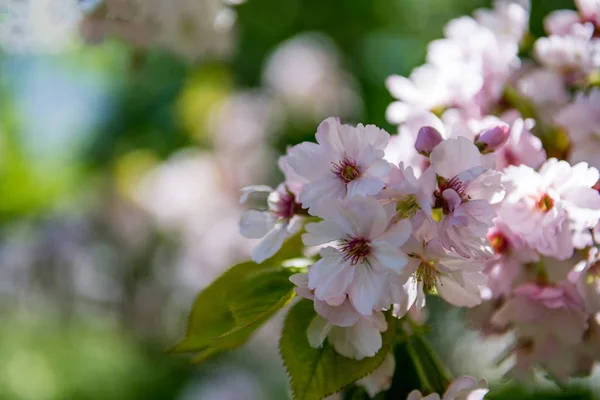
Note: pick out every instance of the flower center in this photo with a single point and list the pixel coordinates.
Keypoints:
(499, 242)
(407, 207)
(356, 249)
(346, 170)
(286, 206)
(454, 184)
(428, 274)
(545, 203)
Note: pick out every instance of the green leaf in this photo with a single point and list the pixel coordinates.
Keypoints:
(227, 312)
(318, 373)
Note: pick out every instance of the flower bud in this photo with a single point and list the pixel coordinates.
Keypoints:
(492, 139)
(427, 138)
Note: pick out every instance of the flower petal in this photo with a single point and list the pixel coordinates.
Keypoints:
(255, 224)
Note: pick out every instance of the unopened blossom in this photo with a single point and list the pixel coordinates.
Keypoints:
(368, 250)
(493, 138)
(345, 162)
(581, 119)
(461, 388)
(465, 193)
(380, 379)
(401, 147)
(427, 138)
(432, 267)
(550, 208)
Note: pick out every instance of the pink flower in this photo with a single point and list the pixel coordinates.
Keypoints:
(589, 10)
(522, 146)
(582, 121)
(461, 388)
(465, 194)
(549, 321)
(431, 267)
(574, 52)
(506, 268)
(548, 209)
(368, 251)
(347, 162)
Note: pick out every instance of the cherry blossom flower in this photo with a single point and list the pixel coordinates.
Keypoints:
(507, 267)
(368, 251)
(461, 388)
(522, 146)
(282, 219)
(363, 339)
(347, 162)
(465, 192)
(407, 193)
(582, 121)
(432, 267)
(548, 208)
(549, 319)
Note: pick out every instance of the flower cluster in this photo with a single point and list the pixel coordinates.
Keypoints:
(488, 196)
(385, 238)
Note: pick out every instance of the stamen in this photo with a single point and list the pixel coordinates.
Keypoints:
(346, 170)
(407, 207)
(356, 249)
(545, 203)
(456, 185)
(499, 242)
(428, 274)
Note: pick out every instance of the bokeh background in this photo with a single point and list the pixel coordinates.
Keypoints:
(120, 168)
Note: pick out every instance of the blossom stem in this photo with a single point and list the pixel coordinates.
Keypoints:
(437, 374)
(416, 359)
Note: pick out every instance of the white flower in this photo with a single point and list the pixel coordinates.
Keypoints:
(275, 224)
(368, 251)
(282, 219)
(363, 339)
(346, 162)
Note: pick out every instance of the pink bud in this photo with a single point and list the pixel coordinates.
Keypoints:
(427, 138)
(492, 139)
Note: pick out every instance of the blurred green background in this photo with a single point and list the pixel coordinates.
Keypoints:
(119, 176)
